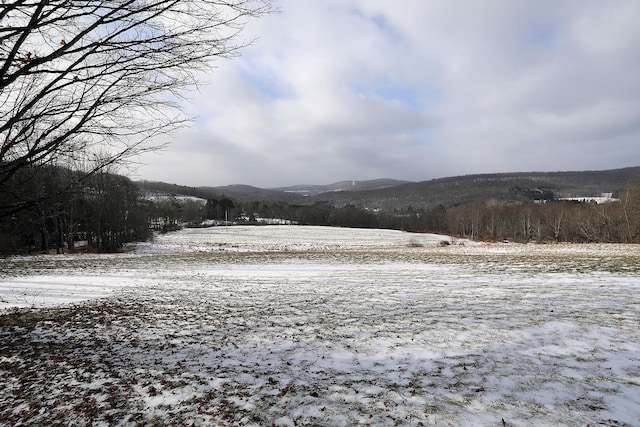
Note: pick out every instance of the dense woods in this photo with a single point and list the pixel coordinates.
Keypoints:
(530, 221)
(107, 210)
(533, 221)
(552, 221)
(100, 214)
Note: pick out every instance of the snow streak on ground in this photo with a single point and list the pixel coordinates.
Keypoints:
(320, 326)
(277, 238)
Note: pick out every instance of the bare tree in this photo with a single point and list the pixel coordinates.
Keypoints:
(630, 203)
(102, 76)
(555, 217)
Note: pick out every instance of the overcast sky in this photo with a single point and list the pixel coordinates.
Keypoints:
(416, 89)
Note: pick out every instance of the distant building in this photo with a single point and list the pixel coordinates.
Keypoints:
(603, 198)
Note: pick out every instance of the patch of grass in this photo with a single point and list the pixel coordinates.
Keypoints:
(28, 318)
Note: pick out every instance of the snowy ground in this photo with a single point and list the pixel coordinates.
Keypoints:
(321, 326)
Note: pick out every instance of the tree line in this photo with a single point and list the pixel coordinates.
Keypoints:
(100, 212)
(104, 211)
(552, 221)
(534, 221)
(617, 221)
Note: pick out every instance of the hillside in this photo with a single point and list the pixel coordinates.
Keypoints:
(389, 194)
(249, 193)
(311, 190)
(235, 192)
(501, 187)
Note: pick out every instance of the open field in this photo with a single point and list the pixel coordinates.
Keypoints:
(289, 325)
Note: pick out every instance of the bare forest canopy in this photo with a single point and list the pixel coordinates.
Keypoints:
(389, 194)
(109, 210)
(506, 206)
(501, 187)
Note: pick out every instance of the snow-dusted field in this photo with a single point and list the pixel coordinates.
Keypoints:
(291, 325)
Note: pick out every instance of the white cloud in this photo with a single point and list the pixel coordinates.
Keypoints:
(414, 90)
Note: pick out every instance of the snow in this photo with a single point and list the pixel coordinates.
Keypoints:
(290, 325)
(54, 290)
(161, 196)
(283, 238)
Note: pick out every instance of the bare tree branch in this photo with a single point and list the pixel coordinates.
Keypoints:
(80, 77)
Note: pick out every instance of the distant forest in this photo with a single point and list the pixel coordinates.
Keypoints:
(103, 211)
(106, 211)
(539, 221)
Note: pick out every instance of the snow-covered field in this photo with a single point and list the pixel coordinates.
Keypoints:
(290, 325)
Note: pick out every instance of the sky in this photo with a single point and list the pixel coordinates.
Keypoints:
(338, 90)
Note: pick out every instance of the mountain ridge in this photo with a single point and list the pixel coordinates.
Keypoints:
(501, 187)
(389, 194)
(311, 189)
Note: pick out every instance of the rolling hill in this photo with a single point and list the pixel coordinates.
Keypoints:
(311, 190)
(389, 194)
(502, 187)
